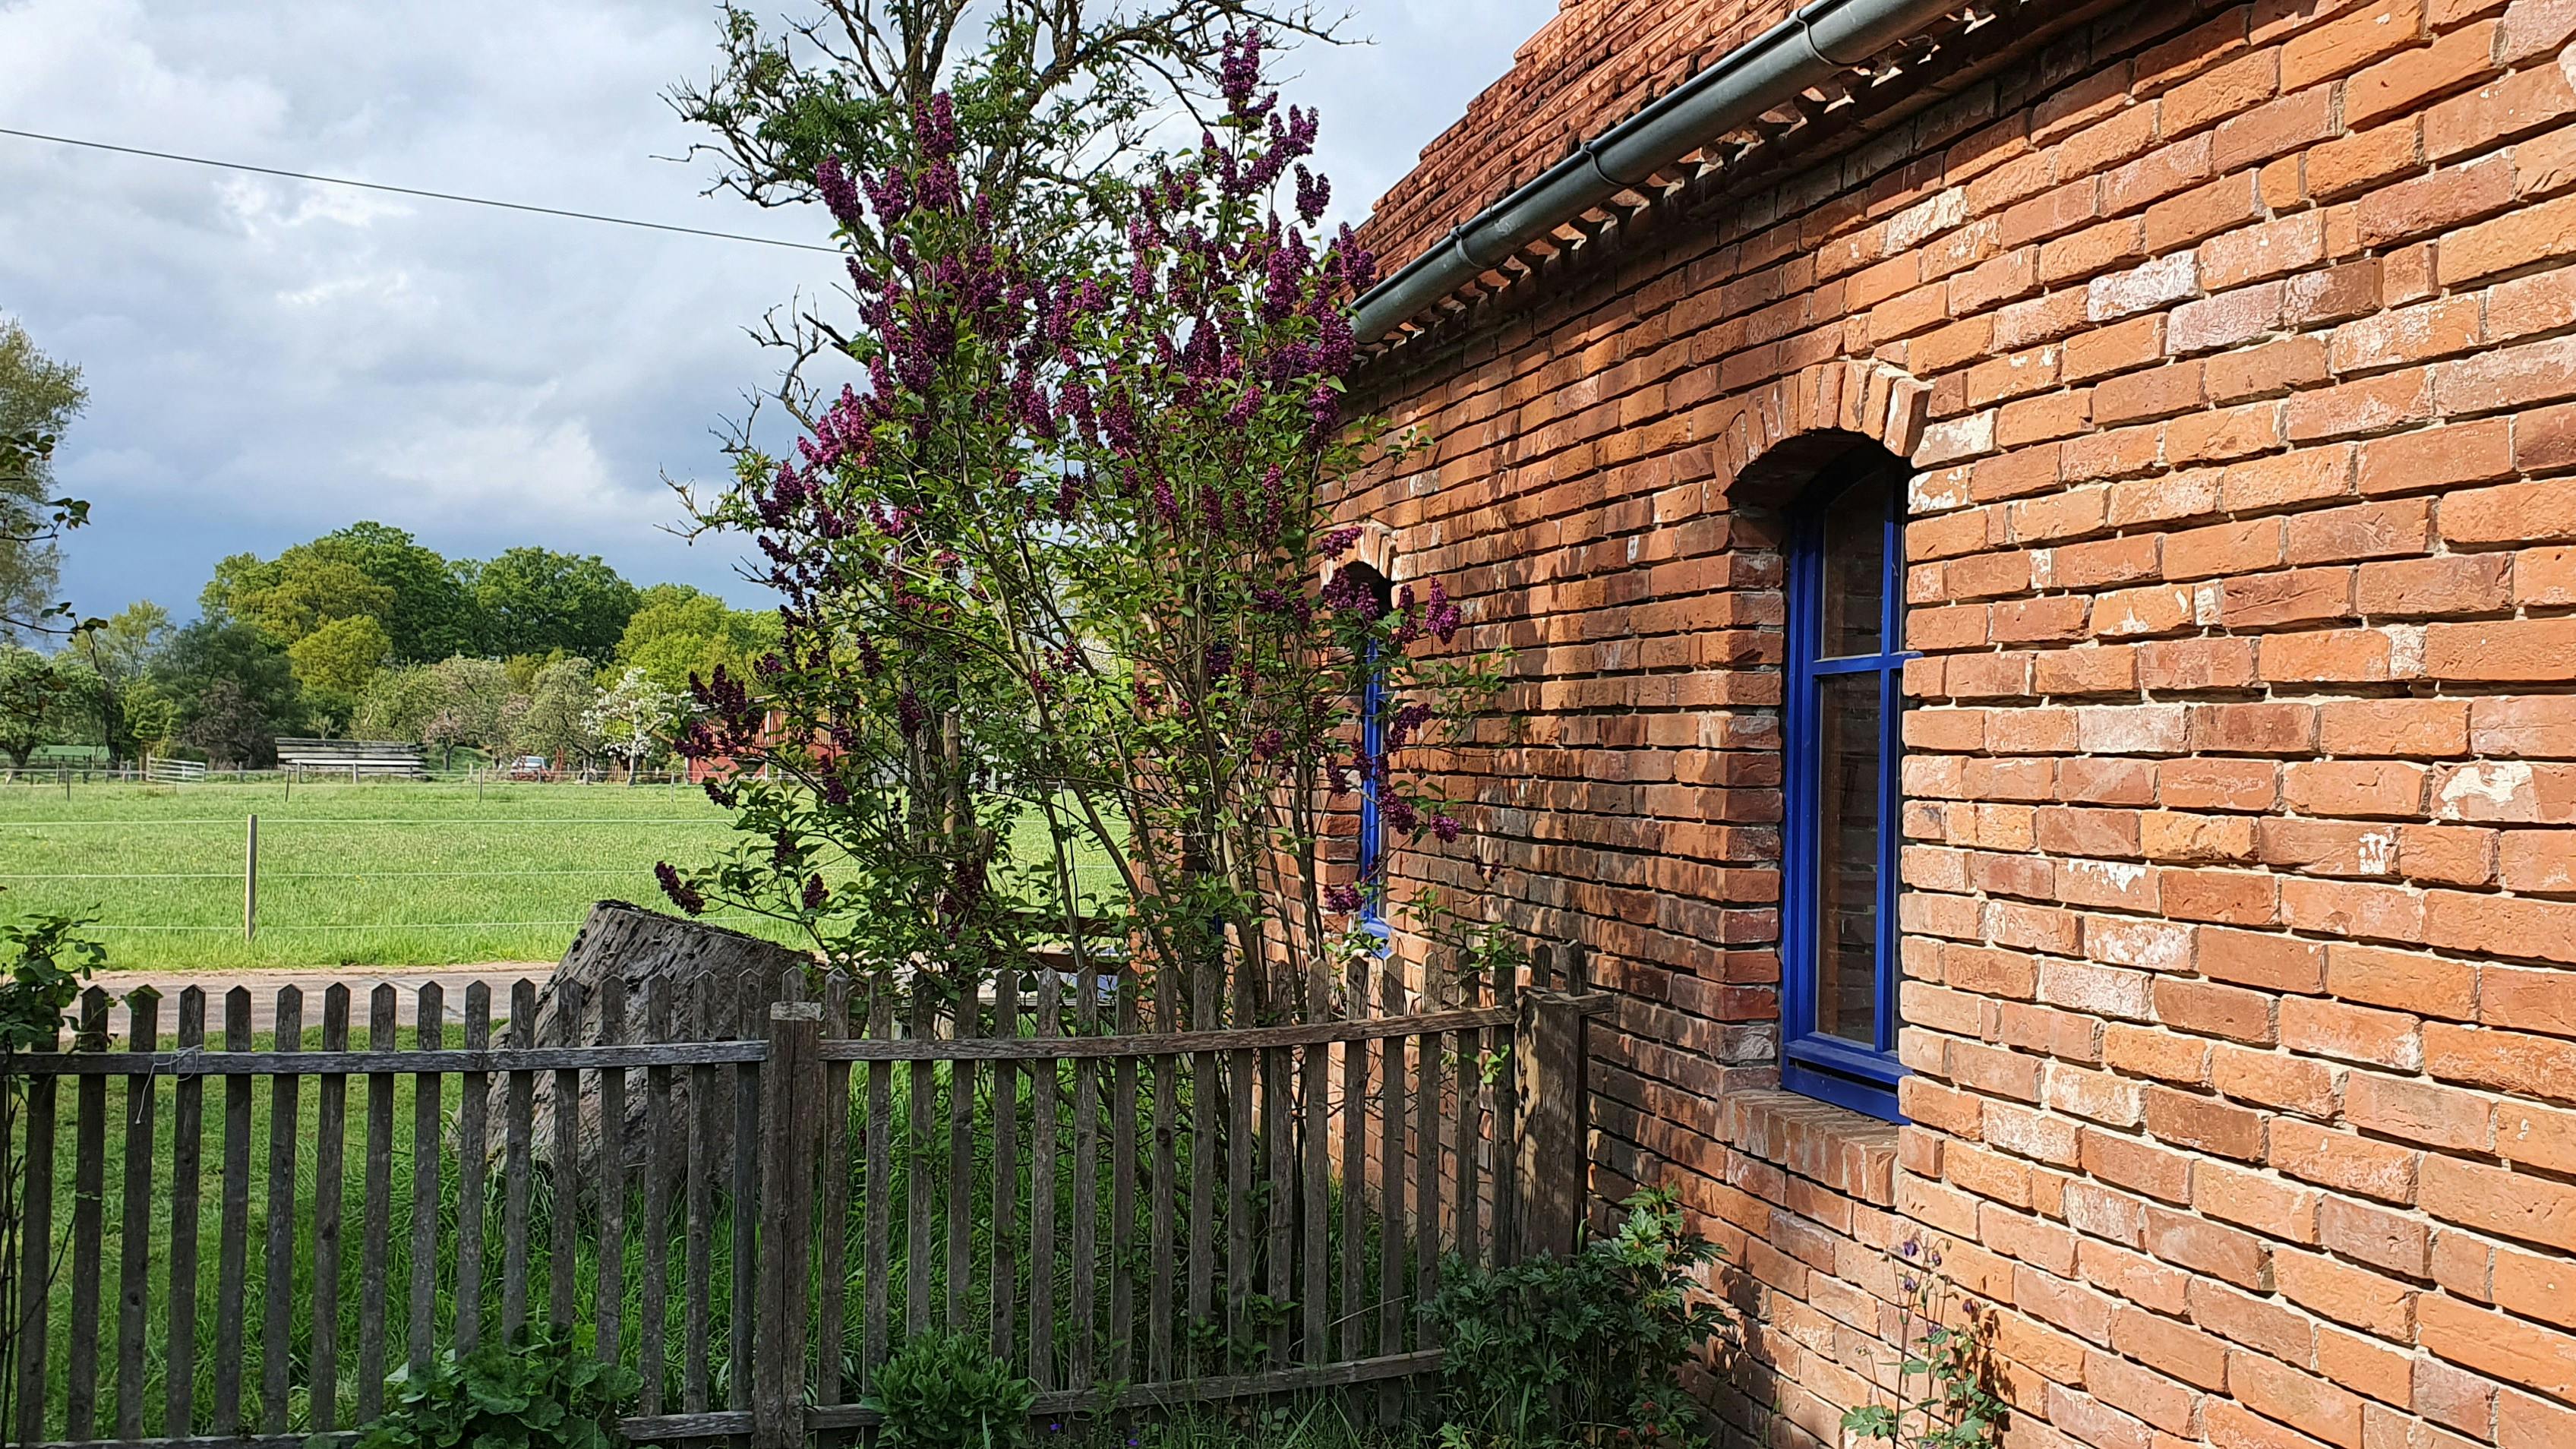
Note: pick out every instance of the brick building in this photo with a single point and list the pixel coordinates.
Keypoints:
(2043, 574)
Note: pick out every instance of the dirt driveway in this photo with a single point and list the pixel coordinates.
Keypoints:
(263, 987)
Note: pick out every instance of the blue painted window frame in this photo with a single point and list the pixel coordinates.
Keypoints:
(1372, 841)
(1833, 1069)
(1372, 822)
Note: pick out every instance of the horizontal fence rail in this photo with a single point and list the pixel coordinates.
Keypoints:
(752, 1192)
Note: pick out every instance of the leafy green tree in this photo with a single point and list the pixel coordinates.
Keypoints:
(457, 701)
(39, 397)
(231, 727)
(532, 600)
(396, 704)
(294, 594)
(418, 597)
(557, 720)
(474, 706)
(153, 718)
(128, 640)
(235, 574)
(219, 652)
(35, 699)
(519, 671)
(335, 661)
(678, 632)
(110, 664)
(431, 613)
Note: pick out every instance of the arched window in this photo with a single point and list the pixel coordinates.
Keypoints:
(1846, 662)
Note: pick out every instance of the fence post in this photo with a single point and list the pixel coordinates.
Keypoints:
(1555, 1153)
(250, 882)
(791, 1109)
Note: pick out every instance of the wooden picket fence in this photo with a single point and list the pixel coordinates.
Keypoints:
(1134, 1199)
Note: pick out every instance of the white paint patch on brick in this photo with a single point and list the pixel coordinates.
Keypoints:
(2032, 1134)
(1937, 490)
(1929, 217)
(2405, 651)
(2127, 620)
(2486, 791)
(2147, 945)
(2119, 874)
(2129, 729)
(2142, 289)
(2099, 990)
(2094, 1209)
(1958, 438)
(2207, 601)
(2378, 852)
(2043, 568)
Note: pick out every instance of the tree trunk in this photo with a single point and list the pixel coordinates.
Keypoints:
(739, 975)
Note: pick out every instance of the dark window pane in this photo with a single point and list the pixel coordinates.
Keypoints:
(1855, 579)
(1848, 828)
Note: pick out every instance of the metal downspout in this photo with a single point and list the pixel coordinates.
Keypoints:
(1819, 40)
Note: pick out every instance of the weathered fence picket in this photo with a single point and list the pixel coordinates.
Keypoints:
(235, 1232)
(277, 1280)
(329, 1166)
(473, 1137)
(134, 1289)
(428, 1160)
(563, 1218)
(89, 1170)
(1004, 1279)
(662, 1160)
(1178, 1188)
(187, 1130)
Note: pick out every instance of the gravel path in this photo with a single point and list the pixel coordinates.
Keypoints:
(263, 987)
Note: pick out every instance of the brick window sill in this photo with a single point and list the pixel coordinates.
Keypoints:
(1850, 1152)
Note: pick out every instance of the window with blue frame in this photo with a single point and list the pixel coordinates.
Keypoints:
(1372, 839)
(1846, 664)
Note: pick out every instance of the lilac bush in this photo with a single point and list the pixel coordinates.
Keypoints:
(1060, 584)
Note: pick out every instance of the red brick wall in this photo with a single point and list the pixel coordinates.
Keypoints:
(2236, 348)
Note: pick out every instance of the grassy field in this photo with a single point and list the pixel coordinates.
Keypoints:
(388, 873)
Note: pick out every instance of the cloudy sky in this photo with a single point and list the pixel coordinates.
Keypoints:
(268, 359)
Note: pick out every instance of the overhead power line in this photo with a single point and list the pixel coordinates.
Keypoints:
(766, 241)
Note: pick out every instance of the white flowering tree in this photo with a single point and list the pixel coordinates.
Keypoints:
(635, 718)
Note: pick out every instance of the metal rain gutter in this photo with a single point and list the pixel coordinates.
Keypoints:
(1819, 41)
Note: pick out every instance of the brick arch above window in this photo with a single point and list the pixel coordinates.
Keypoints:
(1779, 434)
(1376, 548)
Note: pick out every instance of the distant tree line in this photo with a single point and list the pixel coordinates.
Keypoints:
(367, 633)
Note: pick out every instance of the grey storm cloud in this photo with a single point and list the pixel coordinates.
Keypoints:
(270, 359)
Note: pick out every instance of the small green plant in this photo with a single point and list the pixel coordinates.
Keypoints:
(538, 1390)
(1942, 1399)
(43, 960)
(947, 1391)
(1585, 1349)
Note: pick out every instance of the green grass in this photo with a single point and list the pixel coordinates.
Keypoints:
(385, 873)
(241, 1339)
